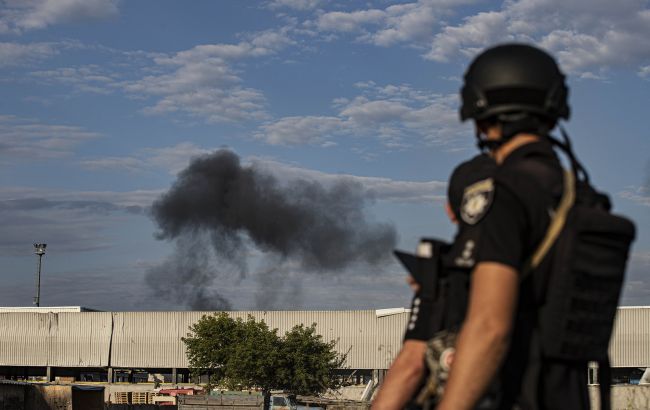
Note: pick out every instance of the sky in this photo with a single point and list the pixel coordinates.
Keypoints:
(105, 103)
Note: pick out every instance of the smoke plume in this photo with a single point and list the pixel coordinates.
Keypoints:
(238, 210)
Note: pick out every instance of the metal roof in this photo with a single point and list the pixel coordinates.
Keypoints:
(46, 309)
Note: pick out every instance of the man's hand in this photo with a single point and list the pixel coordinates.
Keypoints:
(402, 378)
(415, 286)
(483, 340)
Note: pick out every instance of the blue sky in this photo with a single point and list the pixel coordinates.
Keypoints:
(105, 101)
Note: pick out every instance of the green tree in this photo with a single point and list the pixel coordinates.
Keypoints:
(247, 354)
(306, 363)
(235, 353)
(254, 356)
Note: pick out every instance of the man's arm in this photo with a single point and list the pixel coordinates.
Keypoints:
(483, 340)
(402, 378)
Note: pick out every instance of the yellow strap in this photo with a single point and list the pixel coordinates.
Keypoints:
(557, 223)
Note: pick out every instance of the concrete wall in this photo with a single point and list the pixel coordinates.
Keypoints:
(624, 397)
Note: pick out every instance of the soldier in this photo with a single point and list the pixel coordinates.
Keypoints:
(515, 94)
(407, 371)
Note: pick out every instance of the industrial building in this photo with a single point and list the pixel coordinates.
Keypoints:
(73, 342)
(60, 342)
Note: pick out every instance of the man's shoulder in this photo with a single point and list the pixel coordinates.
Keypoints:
(534, 177)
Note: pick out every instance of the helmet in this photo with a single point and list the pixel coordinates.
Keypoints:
(514, 78)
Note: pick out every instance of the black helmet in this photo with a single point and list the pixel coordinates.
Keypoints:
(514, 78)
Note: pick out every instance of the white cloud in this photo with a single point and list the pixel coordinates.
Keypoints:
(89, 78)
(644, 72)
(69, 221)
(405, 23)
(131, 164)
(124, 199)
(584, 35)
(639, 195)
(22, 15)
(203, 82)
(408, 23)
(384, 189)
(349, 21)
(642, 258)
(295, 4)
(366, 113)
(23, 138)
(13, 54)
(214, 104)
(300, 130)
(171, 159)
(174, 158)
(177, 158)
(397, 114)
(476, 31)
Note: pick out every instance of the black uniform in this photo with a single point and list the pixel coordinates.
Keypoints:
(445, 309)
(503, 219)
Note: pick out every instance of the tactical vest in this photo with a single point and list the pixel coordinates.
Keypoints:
(581, 265)
(586, 247)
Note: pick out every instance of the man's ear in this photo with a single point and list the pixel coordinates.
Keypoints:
(450, 213)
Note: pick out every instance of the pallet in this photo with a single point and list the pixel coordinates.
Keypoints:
(151, 397)
(138, 397)
(163, 399)
(121, 397)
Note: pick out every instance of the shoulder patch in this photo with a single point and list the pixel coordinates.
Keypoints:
(477, 199)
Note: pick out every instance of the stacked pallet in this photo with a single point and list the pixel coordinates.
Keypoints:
(140, 397)
(150, 397)
(163, 400)
(121, 397)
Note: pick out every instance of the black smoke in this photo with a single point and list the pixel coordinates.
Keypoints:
(188, 276)
(239, 210)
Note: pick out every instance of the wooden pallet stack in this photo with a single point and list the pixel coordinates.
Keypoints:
(139, 397)
(121, 397)
(150, 397)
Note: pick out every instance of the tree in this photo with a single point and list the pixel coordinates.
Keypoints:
(254, 355)
(246, 354)
(306, 363)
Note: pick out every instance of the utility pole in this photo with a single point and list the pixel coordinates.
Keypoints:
(39, 251)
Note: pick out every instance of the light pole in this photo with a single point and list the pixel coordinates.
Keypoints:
(40, 251)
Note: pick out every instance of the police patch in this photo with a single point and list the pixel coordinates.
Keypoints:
(477, 199)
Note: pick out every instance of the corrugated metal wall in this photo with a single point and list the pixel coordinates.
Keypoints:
(630, 343)
(150, 339)
(55, 339)
(390, 330)
(153, 339)
(80, 339)
(25, 339)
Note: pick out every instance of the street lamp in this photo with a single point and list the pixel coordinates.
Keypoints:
(40, 251)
